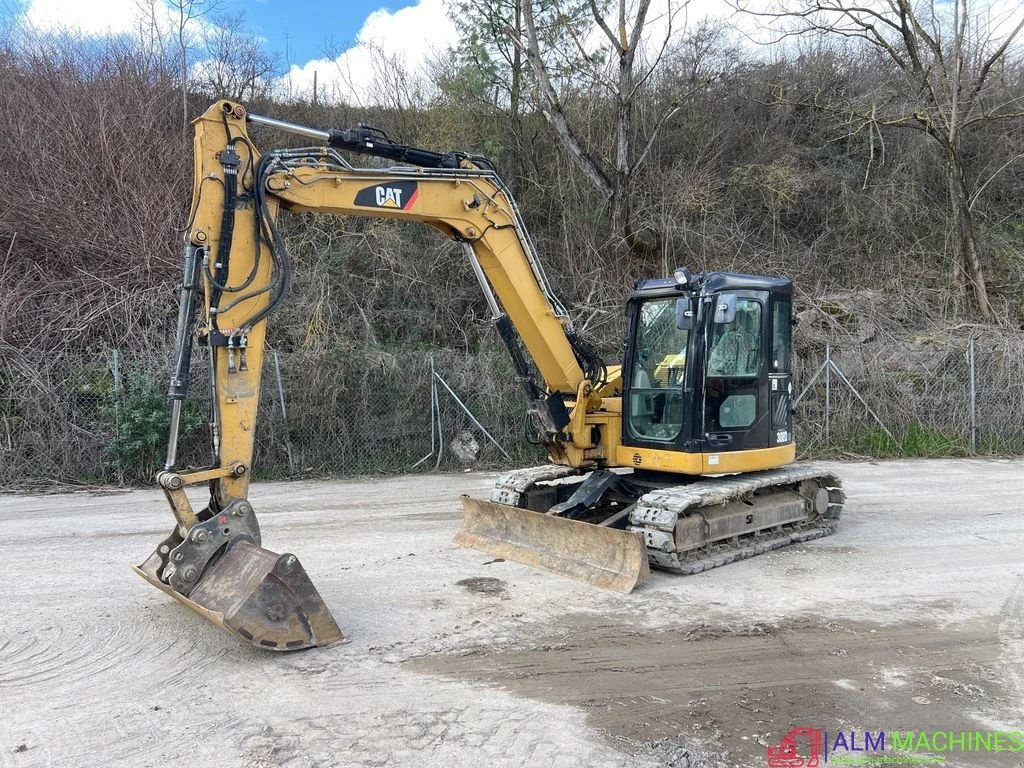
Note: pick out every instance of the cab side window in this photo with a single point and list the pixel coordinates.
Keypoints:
(782, 335)
(655, 408)
(736, 346)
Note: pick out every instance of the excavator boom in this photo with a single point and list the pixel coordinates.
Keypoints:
(237, 271)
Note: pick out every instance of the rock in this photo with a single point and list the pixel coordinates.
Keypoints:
(465, 448)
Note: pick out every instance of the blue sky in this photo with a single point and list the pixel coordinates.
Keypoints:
(358, 34)
(302, 26)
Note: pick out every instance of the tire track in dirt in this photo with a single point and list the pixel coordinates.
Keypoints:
(1011, 637)
(89, 649)
(739, 688)
(109, 684)
(360, 711)
(447, 737)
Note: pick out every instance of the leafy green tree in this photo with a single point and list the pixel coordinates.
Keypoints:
(491, 62)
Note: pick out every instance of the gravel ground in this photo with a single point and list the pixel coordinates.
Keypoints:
(911, 617)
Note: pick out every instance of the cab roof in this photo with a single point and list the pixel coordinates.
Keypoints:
(714, 282)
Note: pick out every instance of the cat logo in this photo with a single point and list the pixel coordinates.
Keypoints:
(389, 197)
(399, 195)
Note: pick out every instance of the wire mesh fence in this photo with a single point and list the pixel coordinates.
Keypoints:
(103, 418)
(936, 397)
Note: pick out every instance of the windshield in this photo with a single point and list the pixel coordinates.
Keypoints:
(658, 368)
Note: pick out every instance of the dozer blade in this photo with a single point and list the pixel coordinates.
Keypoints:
(263, 598)
(602, 556)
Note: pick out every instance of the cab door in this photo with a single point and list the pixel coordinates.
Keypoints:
(737, 407)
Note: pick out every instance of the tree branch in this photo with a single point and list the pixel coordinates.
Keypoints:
(980, 189)
(552, 109)
(654, 135)
(987, 66)
(599, 18)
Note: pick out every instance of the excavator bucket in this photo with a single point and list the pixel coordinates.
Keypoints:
(261, 597)
(599, 555)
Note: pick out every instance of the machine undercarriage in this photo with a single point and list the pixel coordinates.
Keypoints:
(684, 525)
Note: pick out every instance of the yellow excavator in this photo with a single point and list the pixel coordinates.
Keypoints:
(680, 457)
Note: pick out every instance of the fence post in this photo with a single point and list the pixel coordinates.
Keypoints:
(433, 417)
(472, 418)
(115, 370)
(284, 414)
(828, 395)
(974, 396)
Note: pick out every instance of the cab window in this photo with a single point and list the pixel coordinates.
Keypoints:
(782, 335)
(658, 367)
(736, 346)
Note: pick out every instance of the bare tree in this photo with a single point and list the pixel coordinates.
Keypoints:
(949, 57)
(152, 32)
(623, 77)
(186, 14)
(236, 64)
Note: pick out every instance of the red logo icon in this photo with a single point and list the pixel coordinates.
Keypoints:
(786, 754)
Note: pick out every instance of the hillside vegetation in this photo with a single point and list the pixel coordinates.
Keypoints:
(824, 158)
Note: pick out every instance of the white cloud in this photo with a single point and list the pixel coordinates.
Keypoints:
(410, 35)
(103, 17)
(89, 18)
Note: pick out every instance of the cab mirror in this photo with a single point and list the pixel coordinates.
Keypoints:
(684, 314)
(725, 308)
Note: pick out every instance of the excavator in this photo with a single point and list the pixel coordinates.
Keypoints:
(679, 457)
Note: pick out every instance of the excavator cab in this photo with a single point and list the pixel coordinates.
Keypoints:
(707, 373)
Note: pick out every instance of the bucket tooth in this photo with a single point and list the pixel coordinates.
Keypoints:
(259, 596)
(605, 557)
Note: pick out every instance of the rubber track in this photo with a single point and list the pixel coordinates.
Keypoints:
(510, 486)
(656, 514)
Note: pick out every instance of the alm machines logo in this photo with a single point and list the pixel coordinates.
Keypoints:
(816, 747)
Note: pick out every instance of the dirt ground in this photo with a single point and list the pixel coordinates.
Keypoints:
(911, 617)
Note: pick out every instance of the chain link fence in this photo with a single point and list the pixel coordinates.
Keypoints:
(102, 418)
(931, 397)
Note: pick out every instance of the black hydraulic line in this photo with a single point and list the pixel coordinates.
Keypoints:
(508, 338)
(268, 231)
(370, 141)
(230, 161)
(186, 321)
(218, 286)
(367, 141)
(589, 359)
(373, 141)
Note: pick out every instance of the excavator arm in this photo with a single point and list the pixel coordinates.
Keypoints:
(237, 267)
